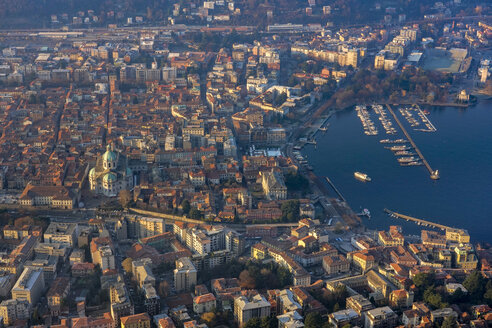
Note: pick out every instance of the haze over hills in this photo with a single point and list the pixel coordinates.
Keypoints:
(37, 13)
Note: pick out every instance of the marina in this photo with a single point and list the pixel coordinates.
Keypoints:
(417, 124)
(367, 124)
(425, 120)
(434, 175)
(407, 114)
(387, 125)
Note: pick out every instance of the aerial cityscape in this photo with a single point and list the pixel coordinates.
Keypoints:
(245, 163)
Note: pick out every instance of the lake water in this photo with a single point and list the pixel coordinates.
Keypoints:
(461, 149)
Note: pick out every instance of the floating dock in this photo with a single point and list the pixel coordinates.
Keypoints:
(434, 175)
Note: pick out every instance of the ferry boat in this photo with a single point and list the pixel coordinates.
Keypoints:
(362, 176)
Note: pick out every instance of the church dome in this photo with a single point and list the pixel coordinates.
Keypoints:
(92, 172)
(110, 178)
(109, 156)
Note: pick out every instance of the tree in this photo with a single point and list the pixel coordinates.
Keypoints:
(186, 207)
(127, 265)
(269, 322)
(246, 281)
(295, 181)
(313, 320)
(475, 284)
(290, 210)
(125, 198)
(424, 279)
(195, 214)
(433, 298)
(457, 297)
(253, 323)
(450, 322)
(209, 318)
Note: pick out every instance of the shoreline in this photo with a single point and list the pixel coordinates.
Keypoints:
(480, 101)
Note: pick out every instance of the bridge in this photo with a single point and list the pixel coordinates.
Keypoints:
(434, 175)
(424, 223)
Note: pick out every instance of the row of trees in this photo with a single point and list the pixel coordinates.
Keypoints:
(368, 86)
(266, 322)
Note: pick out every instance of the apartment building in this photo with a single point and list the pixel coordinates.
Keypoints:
(248, 308)
(14, 309)
(381, 318)
(102, 253)
(141, 320)
(143, 227)
(120, 302)
(30, 285)
(185, 275)
(62, 233)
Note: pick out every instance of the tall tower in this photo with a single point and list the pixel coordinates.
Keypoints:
(485, 73)
(113, 83)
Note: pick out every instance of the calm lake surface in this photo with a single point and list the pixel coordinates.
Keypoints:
(461, 149)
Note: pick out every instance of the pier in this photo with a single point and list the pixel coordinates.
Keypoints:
(433, 174)
(335, 188)
(424, 223)
(317, 126)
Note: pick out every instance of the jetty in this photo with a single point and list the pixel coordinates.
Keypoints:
(335, 188)
(424, 223)
(434, 174)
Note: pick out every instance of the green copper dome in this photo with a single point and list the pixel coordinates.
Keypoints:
(109, 156)
(110, 178)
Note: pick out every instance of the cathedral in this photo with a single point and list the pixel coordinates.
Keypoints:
(111, 174)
